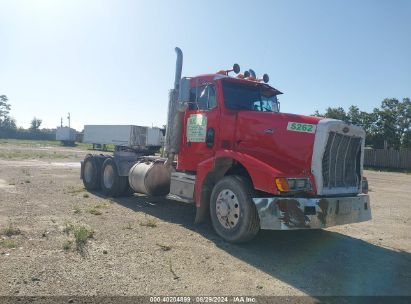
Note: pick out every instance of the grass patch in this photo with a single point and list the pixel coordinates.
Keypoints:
(41, 143)
(67, 245)
(77, 210)
(73, 190)
(164, 247)
(81, 236)
(8, 244)
(104, 205)
(86, 195)
(68, 227)
(29, 143)
(129, 226)
(27, 181)
(27, 154)
(10, 230)
(95, 211)
(149, 223)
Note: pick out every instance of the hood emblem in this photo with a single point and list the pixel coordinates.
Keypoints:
(346, 129)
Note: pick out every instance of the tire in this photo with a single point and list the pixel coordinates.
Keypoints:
(233, 213)
(111, 183)
(91, 173)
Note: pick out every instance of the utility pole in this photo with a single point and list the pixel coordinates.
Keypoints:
(68, 117)
(61, 122)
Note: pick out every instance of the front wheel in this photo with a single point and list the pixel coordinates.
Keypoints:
(111, 183)
(233, 212)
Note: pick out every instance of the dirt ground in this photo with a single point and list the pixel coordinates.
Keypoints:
(143, 246)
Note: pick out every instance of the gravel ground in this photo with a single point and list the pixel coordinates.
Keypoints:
(147, 246)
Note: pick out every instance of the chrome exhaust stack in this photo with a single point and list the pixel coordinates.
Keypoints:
(175, 115)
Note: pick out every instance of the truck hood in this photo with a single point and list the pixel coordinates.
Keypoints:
(284, 141)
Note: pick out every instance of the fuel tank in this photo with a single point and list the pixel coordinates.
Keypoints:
(151, 177)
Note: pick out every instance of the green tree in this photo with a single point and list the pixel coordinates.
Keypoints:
(335, 113)
(393, 122)
(4, 109)
(9, 123)
(35, 124)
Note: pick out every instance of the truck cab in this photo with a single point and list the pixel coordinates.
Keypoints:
(296, 171)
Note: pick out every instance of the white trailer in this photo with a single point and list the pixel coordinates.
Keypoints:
(66, 135)
(123, 135)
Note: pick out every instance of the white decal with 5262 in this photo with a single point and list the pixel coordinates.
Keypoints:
(301, 127)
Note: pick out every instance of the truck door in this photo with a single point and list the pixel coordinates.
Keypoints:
(201, 127)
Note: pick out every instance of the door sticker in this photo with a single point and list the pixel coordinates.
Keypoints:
(301, 127)
(196, 128)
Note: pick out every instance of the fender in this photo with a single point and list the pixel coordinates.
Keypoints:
(262, 175)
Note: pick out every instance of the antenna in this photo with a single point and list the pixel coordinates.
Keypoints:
(68, 117)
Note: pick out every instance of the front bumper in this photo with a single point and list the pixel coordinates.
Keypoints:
(285, 213)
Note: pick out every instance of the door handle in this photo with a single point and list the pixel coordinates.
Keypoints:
(269, 131)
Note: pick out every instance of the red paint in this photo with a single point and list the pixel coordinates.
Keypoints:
(240, 135)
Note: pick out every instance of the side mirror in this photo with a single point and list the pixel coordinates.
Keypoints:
(184, 91)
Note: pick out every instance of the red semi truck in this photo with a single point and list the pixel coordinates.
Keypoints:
(243, 163)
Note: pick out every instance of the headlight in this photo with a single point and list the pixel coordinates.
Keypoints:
(291, 184)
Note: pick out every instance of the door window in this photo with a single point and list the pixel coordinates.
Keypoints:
(202, 98)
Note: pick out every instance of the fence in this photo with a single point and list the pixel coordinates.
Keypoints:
(381, 158)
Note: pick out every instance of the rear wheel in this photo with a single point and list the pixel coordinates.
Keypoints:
(111, 183)
(233, 213)
(91, 173)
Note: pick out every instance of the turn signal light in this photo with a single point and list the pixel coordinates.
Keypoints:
(282, 184)
(293, 184)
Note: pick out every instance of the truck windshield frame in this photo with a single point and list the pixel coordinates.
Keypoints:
(250, 97)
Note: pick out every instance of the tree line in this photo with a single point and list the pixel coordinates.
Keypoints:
(9, 129)
(391, 122)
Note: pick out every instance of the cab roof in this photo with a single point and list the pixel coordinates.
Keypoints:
(214, 77)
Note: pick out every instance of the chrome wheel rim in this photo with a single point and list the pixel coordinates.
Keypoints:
(88, 172)
(227, 209)
(108, 177)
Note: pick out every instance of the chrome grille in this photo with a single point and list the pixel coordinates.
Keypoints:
(341, 161)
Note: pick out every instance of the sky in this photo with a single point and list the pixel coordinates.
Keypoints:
(112, 62)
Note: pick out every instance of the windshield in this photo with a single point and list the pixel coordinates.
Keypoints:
(249, 97)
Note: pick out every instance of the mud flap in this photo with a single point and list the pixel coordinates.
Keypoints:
(203, 211)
